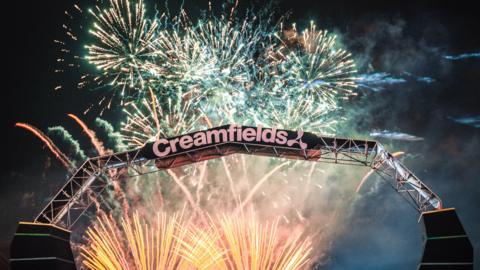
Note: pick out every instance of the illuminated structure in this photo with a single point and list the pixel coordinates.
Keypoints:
(446, 244)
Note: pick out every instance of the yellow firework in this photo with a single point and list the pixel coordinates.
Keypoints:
(230, 242)
(133, 244)
(256, 246)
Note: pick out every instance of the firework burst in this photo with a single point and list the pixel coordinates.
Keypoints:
(123, 46)
(133, 245)
(50, 145)
(152, 119)
(230, 242)
(224, 66)
(311, 62)
(174, 75)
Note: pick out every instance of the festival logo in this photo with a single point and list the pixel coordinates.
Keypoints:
(298, 140)
(228, 134)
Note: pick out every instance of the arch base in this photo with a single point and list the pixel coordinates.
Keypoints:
(446, 244)
(41, 246)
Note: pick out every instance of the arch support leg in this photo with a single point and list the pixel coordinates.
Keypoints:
(446, 244)
(41, 246)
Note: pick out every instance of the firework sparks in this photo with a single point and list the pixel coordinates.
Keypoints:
(153, 119)
(221, 66)
(252, 245)
(50, 145)
(124, 38)
(152, 247)
(229, 242)
(252, 192)
(312, 62)
(173, 76)
(296, 113)
(369, 173)
(91, 135)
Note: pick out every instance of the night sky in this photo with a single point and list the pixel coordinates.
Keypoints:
(439, 100)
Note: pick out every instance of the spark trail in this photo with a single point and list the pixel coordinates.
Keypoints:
(369, 173)
(50, 145)
(91, 135)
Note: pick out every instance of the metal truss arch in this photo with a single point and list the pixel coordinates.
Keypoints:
(91, 178)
